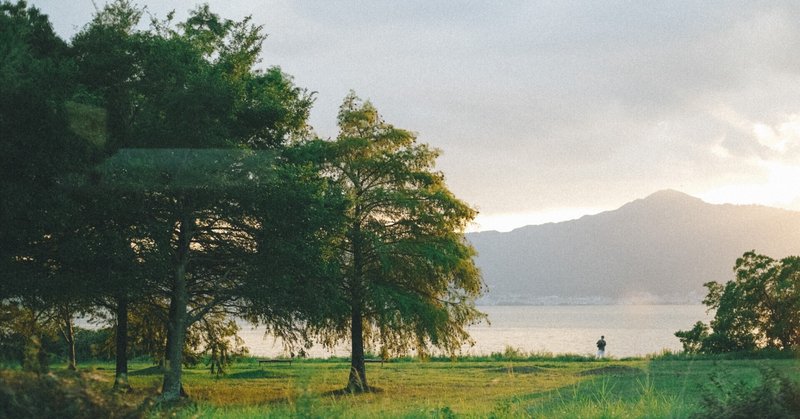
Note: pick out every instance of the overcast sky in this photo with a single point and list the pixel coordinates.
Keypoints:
(548, 110)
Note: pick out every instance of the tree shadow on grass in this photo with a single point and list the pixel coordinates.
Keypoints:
(524, 369)
(348, 392)
(154, 370)
(253, 374)
(612, 370)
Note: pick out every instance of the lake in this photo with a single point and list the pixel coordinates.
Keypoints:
(630, 330)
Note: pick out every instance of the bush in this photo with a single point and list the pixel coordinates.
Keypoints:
(776, 396)
(27, 395)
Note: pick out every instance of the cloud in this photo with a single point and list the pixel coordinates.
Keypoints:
(541, 104)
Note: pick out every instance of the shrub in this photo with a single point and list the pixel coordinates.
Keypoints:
(28, 395)
(775, 396)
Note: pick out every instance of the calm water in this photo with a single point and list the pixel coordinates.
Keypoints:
(630, 330)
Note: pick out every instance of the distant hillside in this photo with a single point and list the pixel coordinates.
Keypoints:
(660, 249)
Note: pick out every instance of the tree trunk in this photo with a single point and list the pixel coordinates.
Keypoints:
(121, 371)
(69, 337)
(357, 383)
(170, 314)
(172, 388)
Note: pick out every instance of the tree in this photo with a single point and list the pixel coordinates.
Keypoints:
(759, 309)
(408, 279)
(194, 131)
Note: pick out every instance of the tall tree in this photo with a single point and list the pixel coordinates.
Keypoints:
(187, 96)
(408, 276)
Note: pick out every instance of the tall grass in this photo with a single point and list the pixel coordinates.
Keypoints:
(772, 395)
(603, 398)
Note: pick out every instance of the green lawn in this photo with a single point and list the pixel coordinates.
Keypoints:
(460, 388)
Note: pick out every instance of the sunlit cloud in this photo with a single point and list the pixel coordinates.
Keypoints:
(779, 187)
(779, 138)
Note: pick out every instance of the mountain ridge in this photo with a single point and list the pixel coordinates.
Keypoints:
(658, 249)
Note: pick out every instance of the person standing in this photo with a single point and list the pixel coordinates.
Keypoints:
(601, 347)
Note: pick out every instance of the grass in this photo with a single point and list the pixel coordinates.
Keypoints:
(532, 386)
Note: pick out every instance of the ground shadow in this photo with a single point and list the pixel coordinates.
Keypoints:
(527, 369)
(252, 374)
(612, 370)
(154, 370)
(347, 392)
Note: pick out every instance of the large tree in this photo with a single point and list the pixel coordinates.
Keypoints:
(197, 133)
(408, 280)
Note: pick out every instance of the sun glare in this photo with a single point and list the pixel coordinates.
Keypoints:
(780, 187)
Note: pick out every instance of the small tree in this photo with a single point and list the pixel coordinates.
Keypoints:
(408, 279)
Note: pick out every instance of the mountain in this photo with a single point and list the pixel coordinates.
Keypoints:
(660, 249)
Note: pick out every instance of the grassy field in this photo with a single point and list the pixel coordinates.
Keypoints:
(484, 387)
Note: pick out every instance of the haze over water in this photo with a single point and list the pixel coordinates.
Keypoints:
(631, 330)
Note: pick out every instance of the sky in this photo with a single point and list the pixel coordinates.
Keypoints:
(549, 110)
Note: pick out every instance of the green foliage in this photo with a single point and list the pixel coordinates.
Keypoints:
(36, 80)
(758, 310)
(692, 340)
(189, 121)
(148, 331)
(417, 282)
(775, 396)
(28, 335)
(87, 122)
(187, 86)
(94, 344)
(25, 395)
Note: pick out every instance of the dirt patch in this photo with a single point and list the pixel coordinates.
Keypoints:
(519, 370)
(612, 370)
